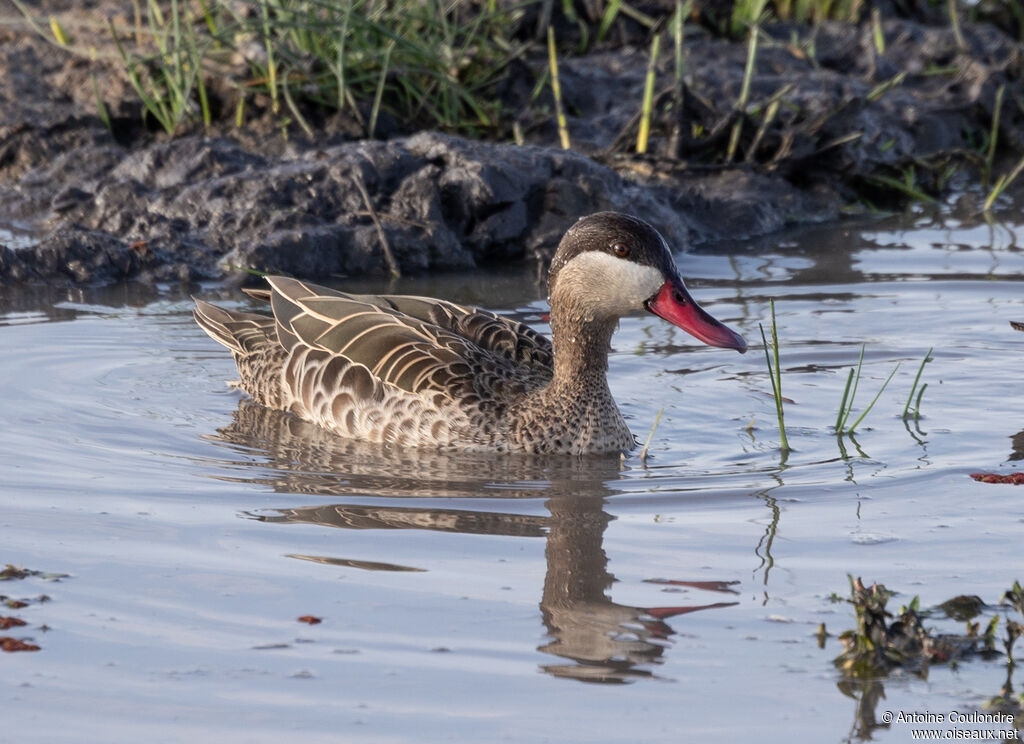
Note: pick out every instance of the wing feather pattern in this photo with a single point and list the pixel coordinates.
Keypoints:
(509, 338)
(413, 343)
(243, 333)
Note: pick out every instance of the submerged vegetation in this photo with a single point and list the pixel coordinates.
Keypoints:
(884, 641)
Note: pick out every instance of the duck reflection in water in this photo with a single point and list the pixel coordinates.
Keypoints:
(602, 640)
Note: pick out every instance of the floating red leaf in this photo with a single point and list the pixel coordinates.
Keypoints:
(9, 645)
(1016, 479)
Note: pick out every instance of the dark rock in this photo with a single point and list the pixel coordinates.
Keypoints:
(71, 255)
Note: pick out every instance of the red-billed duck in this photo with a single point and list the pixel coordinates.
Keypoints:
(416, 371)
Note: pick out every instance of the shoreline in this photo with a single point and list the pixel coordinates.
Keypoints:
(829, 123)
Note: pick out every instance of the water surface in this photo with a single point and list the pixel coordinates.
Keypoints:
(477, 598)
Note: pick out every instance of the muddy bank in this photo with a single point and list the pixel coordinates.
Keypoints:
(200, 208)
(82, 202)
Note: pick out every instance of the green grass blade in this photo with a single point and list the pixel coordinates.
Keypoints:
(853, 392)
(876, 30)
(917, 379)
(897, 185)
(556, 90)
(339, 62)
(954, 22)
(648, 100)
(884, 87)
(1001, 185)
(917, 403)
(775, 376)
(294, 108)
(741, 103)
(993, 137)
(611, 11)
(101, 107)
(150, 103)
(841, 415)
(379, 95)
(778, 380)
(873, 400)
(268, 43)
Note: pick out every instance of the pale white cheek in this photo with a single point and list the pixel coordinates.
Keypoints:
(633, 283)
(609, 284)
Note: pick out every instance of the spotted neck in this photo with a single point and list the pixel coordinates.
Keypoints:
(581, 342)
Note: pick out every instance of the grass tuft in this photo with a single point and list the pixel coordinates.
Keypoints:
(874, 400)
(850, 393)
(167, 76)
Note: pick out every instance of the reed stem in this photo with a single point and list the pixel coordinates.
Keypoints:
(648, 103)
(741, 103)
(775, 375)
(650, 437)
(556, 90)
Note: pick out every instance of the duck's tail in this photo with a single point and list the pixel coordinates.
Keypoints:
(252, 339)
(243, 333)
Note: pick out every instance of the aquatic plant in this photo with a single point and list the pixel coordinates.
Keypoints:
(866, 649)
(883, 641)
(650, 437)
(850, 392)
(917, 378)
(775, 375)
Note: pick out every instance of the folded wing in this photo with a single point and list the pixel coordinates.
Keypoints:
(415, 344)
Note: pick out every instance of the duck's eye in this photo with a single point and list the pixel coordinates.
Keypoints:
(620, 249)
